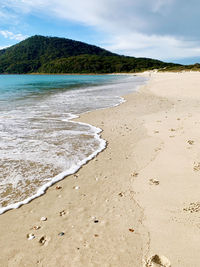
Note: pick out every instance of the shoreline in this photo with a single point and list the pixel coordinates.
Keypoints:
(63, 175)
(29, 216)
(138, 198)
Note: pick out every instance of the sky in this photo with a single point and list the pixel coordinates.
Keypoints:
(162, 29)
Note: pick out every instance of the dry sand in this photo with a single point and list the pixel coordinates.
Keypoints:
(138, 198)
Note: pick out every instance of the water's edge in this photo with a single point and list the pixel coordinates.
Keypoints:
(41, 191)
(102, 145)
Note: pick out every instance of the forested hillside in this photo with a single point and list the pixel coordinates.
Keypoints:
(39, 54)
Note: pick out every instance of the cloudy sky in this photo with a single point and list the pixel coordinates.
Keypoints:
(161, 29)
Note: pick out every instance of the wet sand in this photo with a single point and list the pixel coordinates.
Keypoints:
(137, 198)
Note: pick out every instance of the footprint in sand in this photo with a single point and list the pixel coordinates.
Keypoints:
(157, 149)
(193, 207)
(134, 174)
(190, 142)
(196, 167)
(157, 261)
(154, 182)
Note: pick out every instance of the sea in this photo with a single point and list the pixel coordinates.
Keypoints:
(40, 143)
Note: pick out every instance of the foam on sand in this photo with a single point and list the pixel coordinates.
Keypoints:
(73, 169)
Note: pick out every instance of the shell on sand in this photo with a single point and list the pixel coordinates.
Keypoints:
(30, 236)
(76, 187)
(43, 219)
(36, 227)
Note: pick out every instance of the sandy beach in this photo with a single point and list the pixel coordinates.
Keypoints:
(137, 203)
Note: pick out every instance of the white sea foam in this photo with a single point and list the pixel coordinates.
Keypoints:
(73, 169)
(30, 140)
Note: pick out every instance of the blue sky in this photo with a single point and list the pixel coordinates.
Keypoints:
(162, 29)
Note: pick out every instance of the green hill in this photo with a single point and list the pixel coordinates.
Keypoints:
(39, 54)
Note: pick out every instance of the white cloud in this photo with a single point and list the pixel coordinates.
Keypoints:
(109, 13)
(154, 46)
(159, 28)
(13, 36)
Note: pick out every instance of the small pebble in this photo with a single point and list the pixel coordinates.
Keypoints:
(30, 236)
(61, 233)
(77, 187)
(36, 227)
(62, 213)
(43, 219)
(58, 187)
(42, 240)
(131, 230)
(96, 221)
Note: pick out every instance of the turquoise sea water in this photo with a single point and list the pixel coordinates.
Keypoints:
(20, 87)
(39, 144)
